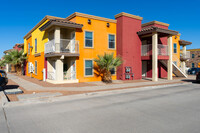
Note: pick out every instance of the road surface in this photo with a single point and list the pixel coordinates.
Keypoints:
(162, 110)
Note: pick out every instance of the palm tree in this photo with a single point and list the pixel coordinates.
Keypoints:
(2, 63)
(106, 63)
(16, 58)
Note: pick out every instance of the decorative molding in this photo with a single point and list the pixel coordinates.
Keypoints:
(90, 16)
(128, 15)
(155, 22)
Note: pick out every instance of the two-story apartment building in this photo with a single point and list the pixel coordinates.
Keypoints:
(63, 49)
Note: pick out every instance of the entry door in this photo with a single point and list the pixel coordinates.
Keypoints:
(144, 68)
(73, 42)
(73, 70)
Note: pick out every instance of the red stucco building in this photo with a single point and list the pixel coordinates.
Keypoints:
(146, 49)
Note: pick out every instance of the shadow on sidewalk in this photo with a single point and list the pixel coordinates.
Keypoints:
(190, 80)
(11, 87)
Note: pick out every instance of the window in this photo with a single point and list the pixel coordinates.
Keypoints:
(111, 41)
(28, 48)
(35, 45)
(192, 65)
(175, 62)
(35, 67)
(112, 71)
(192, 55)
(175, 48)
(28, 67)
(88, 39)
(88, 67)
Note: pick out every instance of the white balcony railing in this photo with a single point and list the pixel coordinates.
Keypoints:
(69, 75)
(147, 50)
(185, 56)
(65, 46)
(51, 75)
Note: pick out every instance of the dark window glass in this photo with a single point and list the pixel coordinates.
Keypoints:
(88, 39)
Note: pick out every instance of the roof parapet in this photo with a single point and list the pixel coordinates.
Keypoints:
(155, 22)
(90, 16)
(128, 15)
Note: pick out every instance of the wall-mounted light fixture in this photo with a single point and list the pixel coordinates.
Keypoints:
(108, 24)
(89, 21)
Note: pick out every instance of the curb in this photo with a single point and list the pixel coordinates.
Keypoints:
(3, 98)
(91, 95)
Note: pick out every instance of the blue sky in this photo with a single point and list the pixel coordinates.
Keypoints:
(19, 17)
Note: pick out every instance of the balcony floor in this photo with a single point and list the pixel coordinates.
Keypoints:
(160, 57)
(60, 54)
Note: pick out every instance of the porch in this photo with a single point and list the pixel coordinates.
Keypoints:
(157, 46)
(61, 70)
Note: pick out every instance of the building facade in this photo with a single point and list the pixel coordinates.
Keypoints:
(194, 61)
(63, 49)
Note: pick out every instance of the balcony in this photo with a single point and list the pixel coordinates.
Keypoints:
(147, 50)
(66, 47)
(185, 56)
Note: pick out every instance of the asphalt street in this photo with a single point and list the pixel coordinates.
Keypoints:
(161, 110)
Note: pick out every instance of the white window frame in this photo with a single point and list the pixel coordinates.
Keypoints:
(36, 68)
(192, 65)
(114, 41)
(29, 45)
(192, 56)
(92, 39)
(36, 42)
(174, 49)
(85, 68)
(28, 67)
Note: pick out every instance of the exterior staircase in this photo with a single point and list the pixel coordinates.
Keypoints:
(176, 70)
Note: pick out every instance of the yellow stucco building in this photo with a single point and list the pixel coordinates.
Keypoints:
(63, 49)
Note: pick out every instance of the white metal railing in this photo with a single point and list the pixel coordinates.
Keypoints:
(65, 46)
(185, 55)
(49, 47)
(51, 75)
(69, 75)
(147, 49)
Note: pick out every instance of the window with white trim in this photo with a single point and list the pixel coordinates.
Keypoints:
(36, 67)
(192, 65)
(175, 48)
(29, 48)
(88, 67)
(88, 39)
(111, 41)
(36, 45)
(192, 55)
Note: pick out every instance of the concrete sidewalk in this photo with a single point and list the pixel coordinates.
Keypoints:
(29, 86)
(3, 121)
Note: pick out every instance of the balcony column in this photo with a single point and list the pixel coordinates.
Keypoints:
(57, 39)
(59, 70)
(155, 57)
(184, 56)
(170, 67)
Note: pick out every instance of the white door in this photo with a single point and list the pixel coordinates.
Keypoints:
(144, 68)
(73, 70)
(73, 42)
